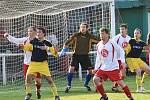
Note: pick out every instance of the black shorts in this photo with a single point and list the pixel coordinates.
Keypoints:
(84, 61)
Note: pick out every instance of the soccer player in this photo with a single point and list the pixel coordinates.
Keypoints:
(106, 65)
(122, 40)
(135, 64)
(39, 48)
(82, 42)
(31, 34)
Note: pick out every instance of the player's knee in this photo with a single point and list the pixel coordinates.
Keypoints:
(121, 83)
(37, 81)
(27, 84)
(49, 80)
(123, 76)
(96, 80)
(138, 71)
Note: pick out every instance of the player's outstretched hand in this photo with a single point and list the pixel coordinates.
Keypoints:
(63, 52)
(6, 35)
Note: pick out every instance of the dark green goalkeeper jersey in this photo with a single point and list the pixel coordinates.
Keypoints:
(82, 42)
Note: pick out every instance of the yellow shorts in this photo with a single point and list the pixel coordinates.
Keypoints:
(134, 63)
(40, 67)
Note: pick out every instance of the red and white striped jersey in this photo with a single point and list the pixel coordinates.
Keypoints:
(107, 56)
(24, 40)
(122, 41)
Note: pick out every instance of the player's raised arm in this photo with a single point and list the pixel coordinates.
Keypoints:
(15, 40)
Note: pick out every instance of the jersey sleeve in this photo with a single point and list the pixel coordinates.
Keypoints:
(51, 48)
(127, 49)
(16, 40)
(98, 60)
(47, 43)
(129, 38)
(94, 39)
(131, 41)
(28, 47)
(53, 51)
(71, 39)
(115, 38)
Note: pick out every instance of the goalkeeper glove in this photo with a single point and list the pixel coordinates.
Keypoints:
(63, 52)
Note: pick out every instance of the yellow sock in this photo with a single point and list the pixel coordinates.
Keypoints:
(145, 75)
(54, 89)
(138, 81)
(28, 89)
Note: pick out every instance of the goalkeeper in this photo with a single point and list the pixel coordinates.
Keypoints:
(39, 47)
(27, 55)
(82, 42)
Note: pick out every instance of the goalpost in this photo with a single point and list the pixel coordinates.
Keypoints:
(61, 18)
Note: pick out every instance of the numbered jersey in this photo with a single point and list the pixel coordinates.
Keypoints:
(122, 41)
(107, 56)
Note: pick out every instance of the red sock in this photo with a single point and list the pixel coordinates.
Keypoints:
(38, 86)
(127, 91)
(100, 89)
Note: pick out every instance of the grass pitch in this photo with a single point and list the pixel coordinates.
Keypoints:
(78, 92)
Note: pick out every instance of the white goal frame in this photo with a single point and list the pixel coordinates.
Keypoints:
(112, 11)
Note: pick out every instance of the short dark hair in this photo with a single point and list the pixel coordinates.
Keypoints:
(83, 23)
(43, 30)
(124, 25)
(103, 29)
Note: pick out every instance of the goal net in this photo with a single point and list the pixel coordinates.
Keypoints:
(60, 18)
